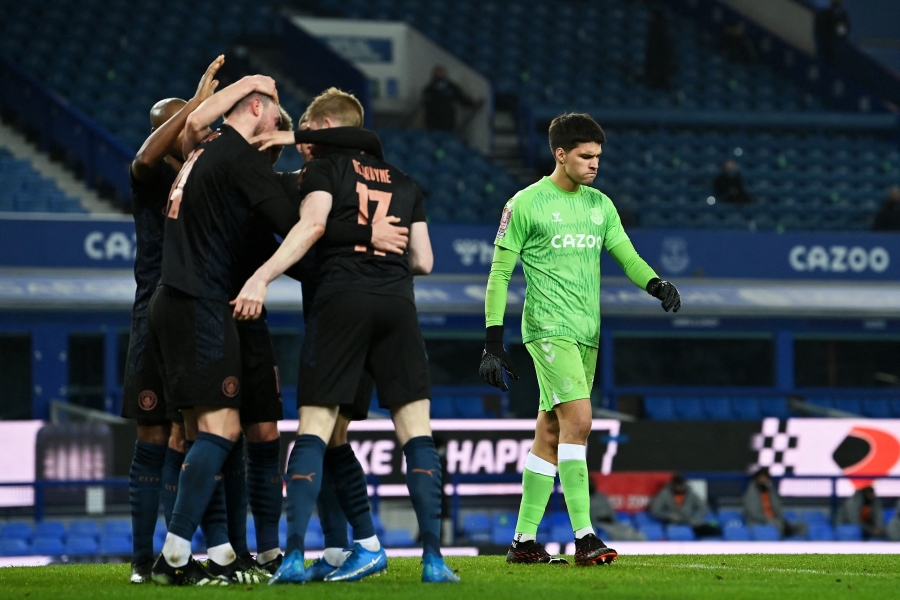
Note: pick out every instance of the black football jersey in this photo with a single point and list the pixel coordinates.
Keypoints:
(148, 206)
(208, 222)
(363, 189)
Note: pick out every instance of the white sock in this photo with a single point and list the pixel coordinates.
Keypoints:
(335, 556)
(370, 543)
(176, 550)
(524, 537)
(222, 555)
(268, 556)
(583, 532)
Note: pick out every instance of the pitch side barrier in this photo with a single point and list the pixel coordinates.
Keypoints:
(103, 159)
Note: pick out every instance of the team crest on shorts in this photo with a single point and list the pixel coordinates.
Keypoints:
(231, 386)
(565, 386)
(597, 215)
(147, 400)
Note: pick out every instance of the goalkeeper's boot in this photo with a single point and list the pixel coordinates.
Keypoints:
(435, 571)
(141, 569)
(242, 569)
(590, 550)
(531, 552)
(291, 570)
(191, 573)
(361, 563)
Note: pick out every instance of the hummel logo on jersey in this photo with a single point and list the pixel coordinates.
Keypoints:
(556, 218)
(547, 347)
(306, 477)
(429, 472)
(575, 240)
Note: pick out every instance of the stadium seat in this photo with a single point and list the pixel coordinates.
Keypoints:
(644, 518)
(50, 529)
(660, 409)
(504, 519)
(477, 527)
(820, 532)
(503, 535)
(774, 407)
(314, 540)
(737, 533)
(680, 533)
(558, 518)
(730, 517)
(813, 517)
(562, 534)
(116, 544)
(895, 408)
(848, 533)
(84, 529)
(442, 407)
(402, 538)
(198, 542)
(14, 547)
(81, 546)
(747, 409)
(624, 518)
(690, 409)
(652, 531)
(718, 409)
(50, 546)
(877, 408)
(16, 531)
(764, 533)
(850, 405)
(118, 526)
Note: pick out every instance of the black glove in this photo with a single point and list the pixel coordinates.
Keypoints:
(494, 359)
(665, 291)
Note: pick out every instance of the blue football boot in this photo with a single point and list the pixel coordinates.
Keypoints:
(319, 570)
(291, 570)
(435, 571)
(361, 563)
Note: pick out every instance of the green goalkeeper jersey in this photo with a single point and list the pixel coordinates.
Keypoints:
(558, 236)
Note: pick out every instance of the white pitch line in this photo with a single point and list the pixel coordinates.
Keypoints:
(758, 570)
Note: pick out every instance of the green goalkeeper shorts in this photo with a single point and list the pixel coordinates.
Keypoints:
(565, 369)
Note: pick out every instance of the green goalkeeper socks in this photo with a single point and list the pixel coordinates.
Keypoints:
(537, 485)
(573, 474)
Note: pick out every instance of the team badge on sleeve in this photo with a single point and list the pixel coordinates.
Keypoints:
(505, 218)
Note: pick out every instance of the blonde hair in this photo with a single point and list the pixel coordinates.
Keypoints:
(340, 107)
(287, 124)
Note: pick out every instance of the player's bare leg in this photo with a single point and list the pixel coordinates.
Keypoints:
(424, 479)
(575, 419)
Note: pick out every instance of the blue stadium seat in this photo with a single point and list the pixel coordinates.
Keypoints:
(198, 542)
(400, 538)
(315, 540)
(848, 533)
(504, 519)
(50, 546)
(16, 531)
(477, 527)
(774, 407)
(84, 529)
(736, 533)
(877, 408)
(558, 518)
(14, 547)
(718, 409)
(747, 409)
(118, 526)
(680, 533)
(850, 405)
(652, 531)
(50, 529)
(690, 409)
(820, 532)
(644, 518)
(764, 533)
(442, 407)
(562, 534)
(660, 409)
(502, 535)
(78, 546)
(624, 518)
(813, 517)
(469, 407)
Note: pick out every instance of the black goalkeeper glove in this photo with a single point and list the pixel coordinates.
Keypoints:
(494, 359)
(665, 291)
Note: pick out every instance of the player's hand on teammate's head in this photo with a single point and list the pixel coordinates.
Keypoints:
(666, 292)
(264, 85)
(249, 303)
(268, 139)
(209, 83)
(388, 237)
(494, 359)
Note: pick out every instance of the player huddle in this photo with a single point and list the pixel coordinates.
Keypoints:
(201, 376)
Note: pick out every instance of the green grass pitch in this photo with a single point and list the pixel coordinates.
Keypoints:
(735, 576)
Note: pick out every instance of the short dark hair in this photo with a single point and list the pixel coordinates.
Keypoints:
(244, 102)
(570, 130)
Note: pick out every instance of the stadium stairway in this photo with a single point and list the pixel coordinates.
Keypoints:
(31, 182)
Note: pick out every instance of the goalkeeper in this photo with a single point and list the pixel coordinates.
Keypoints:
(558, 226)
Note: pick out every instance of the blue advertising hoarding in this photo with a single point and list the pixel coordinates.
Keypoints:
(92, 243)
